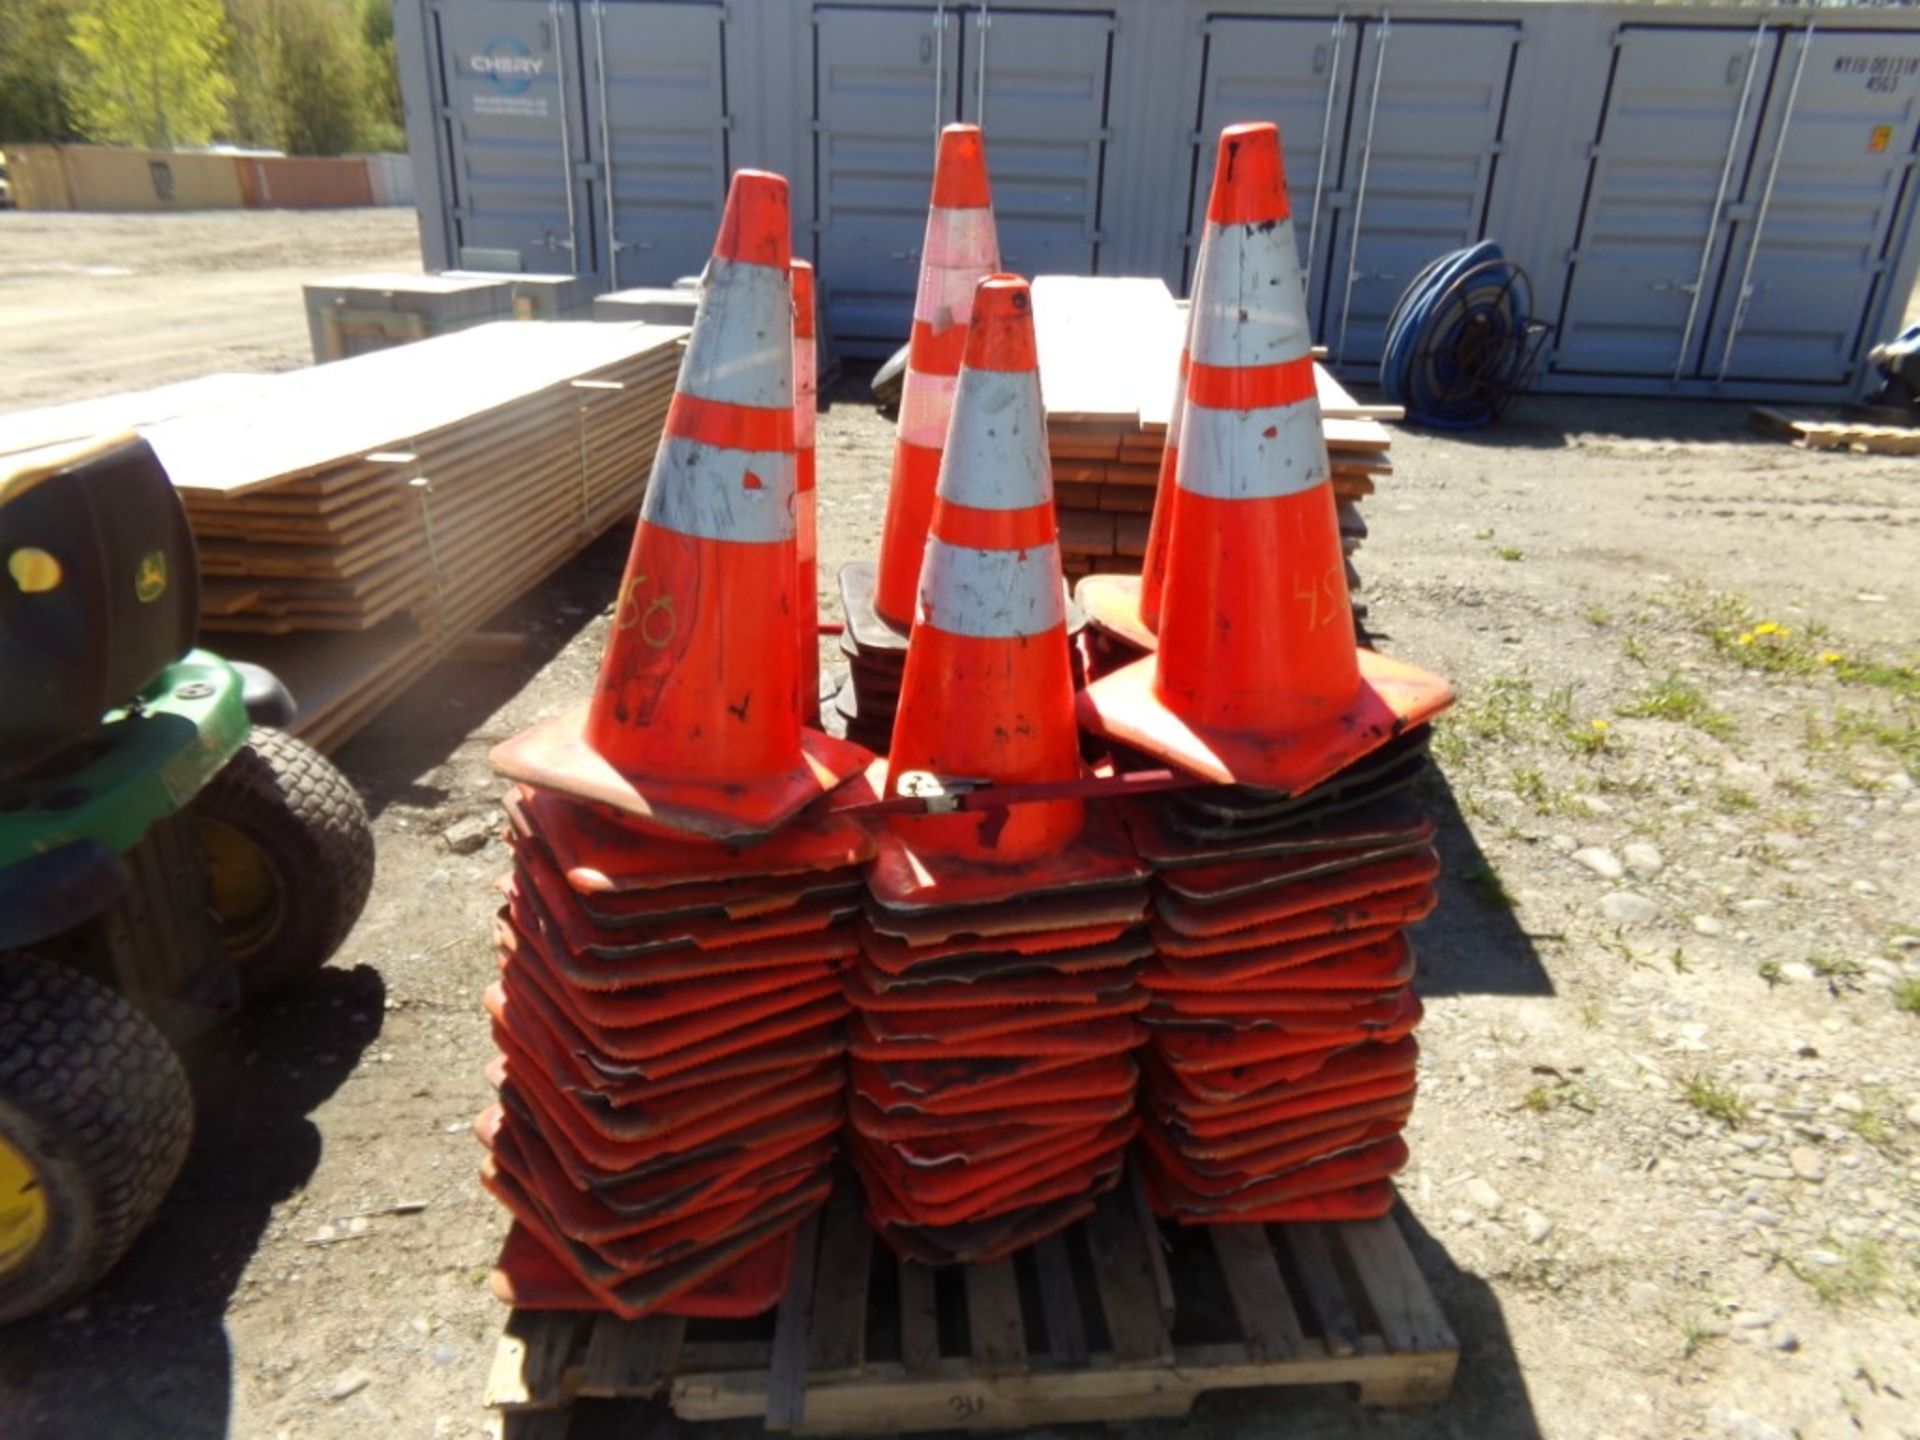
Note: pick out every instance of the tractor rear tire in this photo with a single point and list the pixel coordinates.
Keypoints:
(290, 850)
(95, 1120)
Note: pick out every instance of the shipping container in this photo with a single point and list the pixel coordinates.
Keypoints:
(1710, 200)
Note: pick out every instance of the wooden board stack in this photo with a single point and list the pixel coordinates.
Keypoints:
(355, 520)
(361, 517)
(1109, 352)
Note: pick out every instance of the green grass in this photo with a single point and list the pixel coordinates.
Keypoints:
(1714, 1100)
(1906, 995)
(1873, 1125)
(1861, 1273)
(1732, 799)
(1598, 615)
(1545, 1098)
(1839, 969)
(1769, 971)
(1510, 552)
(1678, 699)
(1632, 647)
(1740, 633)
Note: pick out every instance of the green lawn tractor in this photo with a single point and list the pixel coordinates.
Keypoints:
(165, 856)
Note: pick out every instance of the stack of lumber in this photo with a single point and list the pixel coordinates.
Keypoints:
(1109, 354)
(355, 520)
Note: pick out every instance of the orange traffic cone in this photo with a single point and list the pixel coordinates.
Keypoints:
(694, 723)
(961, 248)
(806, 525)
(1256, 680)
(988, 691)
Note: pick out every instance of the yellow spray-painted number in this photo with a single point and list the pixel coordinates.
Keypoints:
(150, 578)
(34, 571)
(1881, 137)
(1321, 597)
(656, 618)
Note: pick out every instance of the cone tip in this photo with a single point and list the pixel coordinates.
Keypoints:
(755, 228)
(802, 300)
(1249, 177)
(960, 170)
(1000, 334)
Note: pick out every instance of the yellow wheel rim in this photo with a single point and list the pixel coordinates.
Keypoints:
(23, 1208)
(246, 889)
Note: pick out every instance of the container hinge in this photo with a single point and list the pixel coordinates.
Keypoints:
(586, 169)
(1575, 257)
(1496, 147)
(726, 122)
(1594, 151)
(1737, 212)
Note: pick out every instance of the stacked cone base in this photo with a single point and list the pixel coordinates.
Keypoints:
(670, 1018)
(1280, 1072)
(993, 1081)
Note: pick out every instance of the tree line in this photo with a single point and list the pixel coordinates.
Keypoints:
(310, 77)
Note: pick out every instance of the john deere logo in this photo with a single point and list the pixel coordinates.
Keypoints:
(150, 580)
(508, 64)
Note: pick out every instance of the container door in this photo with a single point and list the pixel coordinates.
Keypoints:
(1036, 84)
(885, 81)
(1662, 193)
(510, 87)
(1422, 151)
(1826, 190)
(1298, 74)
(656, 84)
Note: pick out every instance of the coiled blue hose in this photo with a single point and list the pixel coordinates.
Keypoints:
(1461, 343)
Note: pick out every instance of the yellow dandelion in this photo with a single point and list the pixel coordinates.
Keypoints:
(1601, 725)
(1767, 627)
(1746, 638)
(1831, 657)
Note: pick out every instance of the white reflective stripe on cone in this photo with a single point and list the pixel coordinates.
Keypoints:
(1247, 302)
(996, 456)
(1258, 454)
(704, 490)
(959, 238)
(806, 389)
(926, 405)
(734, 355)
(991, 594)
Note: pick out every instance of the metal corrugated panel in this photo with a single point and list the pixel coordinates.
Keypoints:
(1299, 74)
(1418, 170)
(1100, 117)
(658, 127)
(509, 85)
(884, 81)
(1681, 115)
(1832, 167)
(1037, 83)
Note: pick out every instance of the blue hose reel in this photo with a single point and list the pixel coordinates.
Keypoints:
(1462, 342)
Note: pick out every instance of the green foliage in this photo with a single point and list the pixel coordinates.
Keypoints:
(1714, 1100)
(312, 77)
(152, 71)
(38, 66)
(1678, 699)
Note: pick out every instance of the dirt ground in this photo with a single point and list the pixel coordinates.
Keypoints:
(1666, 1162)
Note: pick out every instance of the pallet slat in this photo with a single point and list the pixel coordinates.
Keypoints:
(994, 1323)
(1260, 1299)
(1317, 1304)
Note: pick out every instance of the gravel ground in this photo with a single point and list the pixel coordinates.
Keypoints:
(1664, 1177)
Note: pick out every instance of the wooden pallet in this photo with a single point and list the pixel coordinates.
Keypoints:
(1811, 431)
(1120, 1318)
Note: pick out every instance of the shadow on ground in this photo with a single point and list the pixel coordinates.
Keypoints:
(1473, 943)
(146, 1355)
(1544, 422)
(421, 730)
